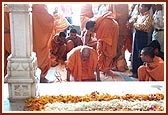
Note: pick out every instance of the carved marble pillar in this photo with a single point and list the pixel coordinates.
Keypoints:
(22, 72)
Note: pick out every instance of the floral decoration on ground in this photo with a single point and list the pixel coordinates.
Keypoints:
(96, 101)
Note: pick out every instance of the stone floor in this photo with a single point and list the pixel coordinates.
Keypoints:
(61, 71)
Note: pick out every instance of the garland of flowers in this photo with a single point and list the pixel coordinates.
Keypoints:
(42, 102)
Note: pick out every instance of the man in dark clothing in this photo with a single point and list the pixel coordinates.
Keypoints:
(155, 44)
(142, 24)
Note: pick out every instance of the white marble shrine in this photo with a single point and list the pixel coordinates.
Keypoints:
(22, 72)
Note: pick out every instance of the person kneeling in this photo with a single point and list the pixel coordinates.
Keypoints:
(153, 68)
(82, 63)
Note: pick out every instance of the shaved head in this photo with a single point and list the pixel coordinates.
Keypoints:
(85, 53)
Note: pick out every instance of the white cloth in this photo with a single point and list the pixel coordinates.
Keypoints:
(158, 24)
(158, 20)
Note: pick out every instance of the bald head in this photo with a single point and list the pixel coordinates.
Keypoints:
(85, 53)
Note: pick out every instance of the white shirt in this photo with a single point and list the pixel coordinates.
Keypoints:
(158, 22)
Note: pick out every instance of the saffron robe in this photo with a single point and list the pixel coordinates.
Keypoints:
(7, 40)
(89, 39)
(152, 71)
(73, 42)
(77, 41)
(120, 12)
(43, 24)
(82, 70)
(58, 50)
(85, 14)
(107, 30)
(60, 23)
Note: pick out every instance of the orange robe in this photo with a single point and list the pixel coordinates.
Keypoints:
(120, 11)
(120, 64)
(85, 14)
(60, 23)
(89, 40)
(7, 41)
(92, 43)
(73, 42)
(77, 41)
(107, 36)
(154, 70)
(43, 24)
(58, 50)
(82, 70)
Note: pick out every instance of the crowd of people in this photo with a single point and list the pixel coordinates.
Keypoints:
(105, 35)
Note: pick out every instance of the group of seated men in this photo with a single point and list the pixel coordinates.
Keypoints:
(80, 60)
(61, 45)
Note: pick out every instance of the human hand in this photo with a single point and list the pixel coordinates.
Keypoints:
(129, 25)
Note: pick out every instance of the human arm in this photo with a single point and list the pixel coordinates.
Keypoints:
(144, 23)
(133, 17)
(131, 21)
(87, 37)
(79, 40)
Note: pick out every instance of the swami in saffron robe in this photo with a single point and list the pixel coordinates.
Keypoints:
(58, 50)
(120, 11)
(152, 71)
(43, 24)
(82, 70)
(107, 31)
